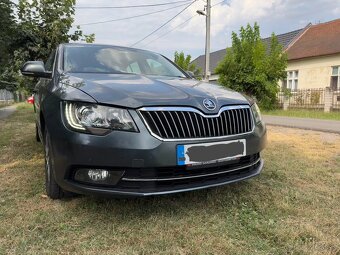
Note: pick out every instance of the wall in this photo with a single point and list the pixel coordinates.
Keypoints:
(5, 95)
(314, 72)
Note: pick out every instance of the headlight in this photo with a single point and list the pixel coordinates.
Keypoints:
(97, 119)
(256, 112)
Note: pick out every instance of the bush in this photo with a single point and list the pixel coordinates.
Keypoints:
(253, 69)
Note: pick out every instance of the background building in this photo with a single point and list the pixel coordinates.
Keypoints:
(313, 56)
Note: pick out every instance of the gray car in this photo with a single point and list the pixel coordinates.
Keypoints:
(129, 122)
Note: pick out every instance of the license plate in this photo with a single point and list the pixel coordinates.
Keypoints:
(207, 153)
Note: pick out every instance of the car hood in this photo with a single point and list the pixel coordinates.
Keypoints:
(135, 91)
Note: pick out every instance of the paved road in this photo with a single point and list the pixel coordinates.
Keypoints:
(6, 111)
(332, 126)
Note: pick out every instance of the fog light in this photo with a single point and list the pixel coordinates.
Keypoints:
(98, 176)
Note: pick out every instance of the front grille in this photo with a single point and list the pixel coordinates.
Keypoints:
(184, 123)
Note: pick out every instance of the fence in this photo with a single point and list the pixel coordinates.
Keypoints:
(6, 97)
(336, 100)
(324, 99)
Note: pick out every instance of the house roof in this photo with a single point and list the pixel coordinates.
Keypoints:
(215, 57)
(317, 40)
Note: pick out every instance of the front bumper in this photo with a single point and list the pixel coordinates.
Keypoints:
(146, 155)
(153, 189)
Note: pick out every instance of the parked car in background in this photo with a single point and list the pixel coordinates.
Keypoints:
(129, 122)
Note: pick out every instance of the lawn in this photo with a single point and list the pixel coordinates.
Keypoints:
(293, 207)
(314, 114)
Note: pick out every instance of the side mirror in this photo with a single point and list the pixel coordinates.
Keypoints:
(35, 69)
(191, 74)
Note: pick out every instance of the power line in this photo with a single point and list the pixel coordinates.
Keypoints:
(163, 24)
(173, 29)
(168, 32)
(130, 6)
(131, 17)
(219, 3)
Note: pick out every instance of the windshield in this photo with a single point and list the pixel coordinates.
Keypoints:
(116, 60)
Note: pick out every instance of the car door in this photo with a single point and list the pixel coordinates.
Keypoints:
(41, 88)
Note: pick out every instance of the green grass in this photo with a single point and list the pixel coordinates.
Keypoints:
(315, 114)
(293, 207)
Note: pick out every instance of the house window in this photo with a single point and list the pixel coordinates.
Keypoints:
(292, 80)
(335, 78)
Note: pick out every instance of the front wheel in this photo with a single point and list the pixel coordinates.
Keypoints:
(53, 190)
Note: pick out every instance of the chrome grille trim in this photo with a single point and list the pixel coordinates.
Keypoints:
(185, 122)
(191, 177)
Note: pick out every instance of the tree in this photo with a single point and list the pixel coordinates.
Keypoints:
(185, 63)
(50, 22)
(7, 33)
(252, 68)
(6, 25)
(41, 26)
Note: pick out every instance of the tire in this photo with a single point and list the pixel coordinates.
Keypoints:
(37, 137)
(53, 190)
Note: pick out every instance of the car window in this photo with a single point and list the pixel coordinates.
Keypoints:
(116, 60)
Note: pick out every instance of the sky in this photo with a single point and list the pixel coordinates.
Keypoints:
(278, 16)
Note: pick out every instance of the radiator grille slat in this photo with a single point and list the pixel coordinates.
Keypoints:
(218, 126)
(197, 124)
(242, 121)
(203, 126)
(222, 126)
(174, 123)
(162, 127)
(229, 123)
(192, 124)
(208, 125)
(239, 122)
(234, 122)
(245, 119)
(225, 123)
(181, 126)
(187, 124)
(213, 125)
(168, 124)
(248, 125)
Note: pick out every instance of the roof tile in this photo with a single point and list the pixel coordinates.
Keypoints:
(216, 56)
(318, 40)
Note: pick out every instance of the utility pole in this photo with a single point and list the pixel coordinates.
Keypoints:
(207, 41)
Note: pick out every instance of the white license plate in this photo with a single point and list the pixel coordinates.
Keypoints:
(207, 153)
